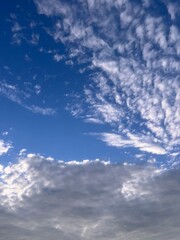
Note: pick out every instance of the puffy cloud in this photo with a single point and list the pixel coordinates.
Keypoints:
(133, 51)
(47, 199)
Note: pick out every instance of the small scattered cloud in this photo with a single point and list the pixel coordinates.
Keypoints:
(5, 133)
(37, 89)
(22, 152)
(34, 39)
(16, 27)
(57, 57)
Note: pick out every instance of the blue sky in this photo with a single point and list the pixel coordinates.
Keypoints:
(79, 83)
(89, 119)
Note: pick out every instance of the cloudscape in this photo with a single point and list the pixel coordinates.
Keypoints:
(90, 120)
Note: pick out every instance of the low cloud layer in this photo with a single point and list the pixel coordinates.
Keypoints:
(45, 199)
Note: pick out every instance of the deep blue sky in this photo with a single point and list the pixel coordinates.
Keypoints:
(82, 82)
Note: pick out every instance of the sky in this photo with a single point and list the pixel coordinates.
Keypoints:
(90, 119)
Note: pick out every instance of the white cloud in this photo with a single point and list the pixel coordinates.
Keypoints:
(41, 198)
(4, 147)
(22, 152)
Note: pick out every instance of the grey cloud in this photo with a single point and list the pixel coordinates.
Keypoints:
(46, 199)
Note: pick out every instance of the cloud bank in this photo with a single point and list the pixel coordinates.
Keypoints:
(46, 199)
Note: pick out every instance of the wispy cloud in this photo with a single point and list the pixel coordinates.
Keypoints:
(13, 93)
(93, 120)
(141, 142)
(40, 110)
(40, 199)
